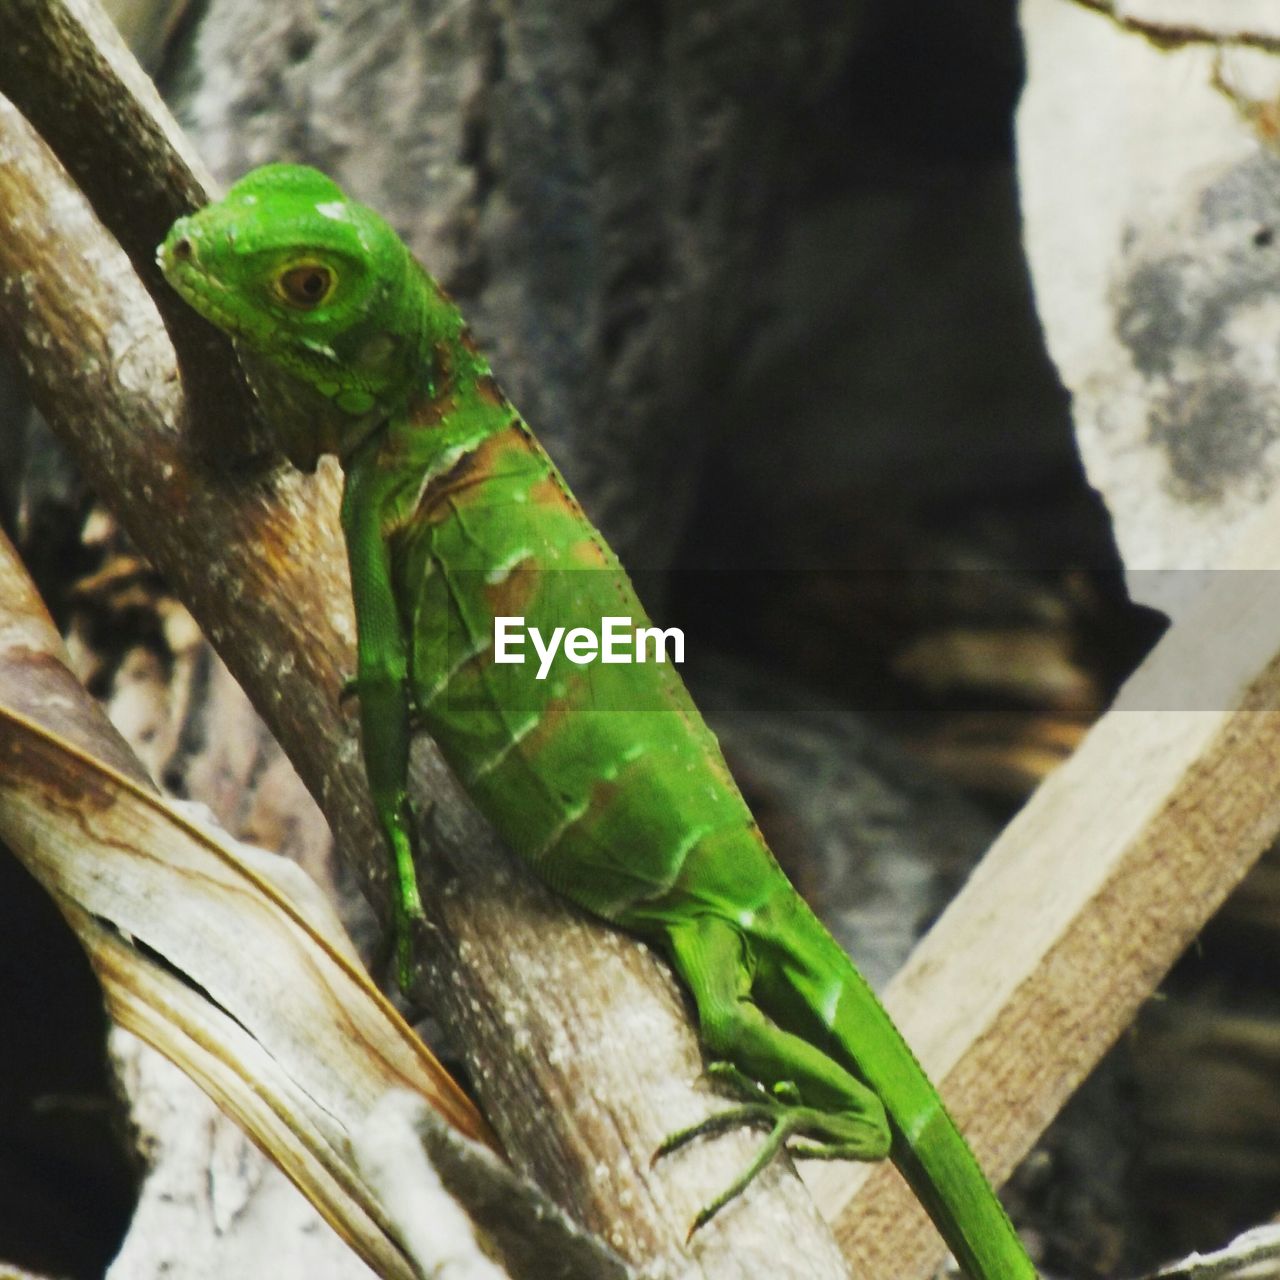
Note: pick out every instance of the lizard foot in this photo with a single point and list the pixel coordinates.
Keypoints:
(834, 1135)
(407, 912)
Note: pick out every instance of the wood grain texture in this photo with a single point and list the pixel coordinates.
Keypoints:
(151, 180)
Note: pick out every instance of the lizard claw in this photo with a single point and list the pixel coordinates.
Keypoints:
(406, 901)
(834, 1136)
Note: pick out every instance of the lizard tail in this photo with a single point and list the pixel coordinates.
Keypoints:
(927, 1148)
(945, 1176)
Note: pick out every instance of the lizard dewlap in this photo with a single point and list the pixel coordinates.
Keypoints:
(604, 778)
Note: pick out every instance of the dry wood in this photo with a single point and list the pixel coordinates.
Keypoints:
(148, 184)
(423, 1170)
(152, 895)
(1255, 1255)
(1090, 894)
(210, 1204)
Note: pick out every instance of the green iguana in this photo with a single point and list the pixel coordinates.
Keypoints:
(602, 778)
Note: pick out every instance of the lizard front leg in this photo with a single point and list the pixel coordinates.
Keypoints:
(381, 684)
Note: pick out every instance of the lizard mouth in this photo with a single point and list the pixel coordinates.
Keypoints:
(178, 260)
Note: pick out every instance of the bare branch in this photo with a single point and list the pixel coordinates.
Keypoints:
(126, 153)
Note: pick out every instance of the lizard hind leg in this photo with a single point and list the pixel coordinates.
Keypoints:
(784, 1082)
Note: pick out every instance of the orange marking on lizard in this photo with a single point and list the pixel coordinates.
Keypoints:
(472, 470)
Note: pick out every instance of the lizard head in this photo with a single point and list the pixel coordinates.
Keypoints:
(311, 281)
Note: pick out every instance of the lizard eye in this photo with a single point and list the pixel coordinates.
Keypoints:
(305, 285)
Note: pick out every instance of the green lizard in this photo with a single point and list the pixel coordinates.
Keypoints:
(603, 778)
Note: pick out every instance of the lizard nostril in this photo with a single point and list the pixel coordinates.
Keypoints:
(182, 249)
